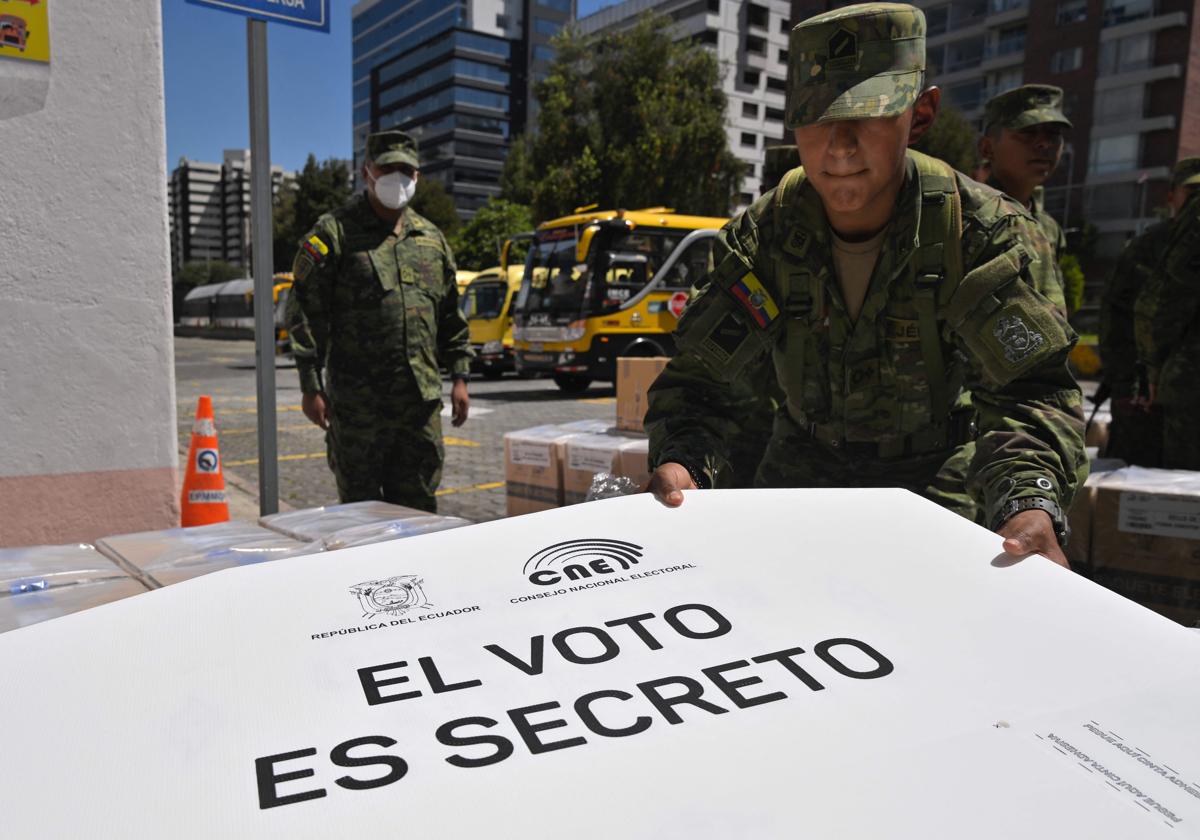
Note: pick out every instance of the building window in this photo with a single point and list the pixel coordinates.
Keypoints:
(546, 27)
(750, 140)
(936, 19)
(502, 22)
(775, 114)
(714, 7)
(1064, 61)
(563, 6)
(783, 56)
(1114, 154)
(1123, 11)
(756, 45)
(1006, 80)
(746, 198)
(784, 25)
(750, 110)
(542, 52)
(750, 77)
(1125, 54)
(1120, 104)
(1011, 41)
(776, 84)
(966, 96)
(756, 15)
(708, 36)
(1071, 11)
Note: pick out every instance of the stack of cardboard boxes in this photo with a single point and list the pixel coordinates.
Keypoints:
(551, 466)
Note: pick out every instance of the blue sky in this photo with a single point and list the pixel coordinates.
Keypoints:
(204, 53)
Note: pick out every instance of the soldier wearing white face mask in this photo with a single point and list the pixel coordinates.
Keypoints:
(372, 316)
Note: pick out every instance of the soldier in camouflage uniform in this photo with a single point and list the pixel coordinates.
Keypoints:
(1123, 377)
(373, 313)
(1022, 145)
(1167, 325)
(872, 370)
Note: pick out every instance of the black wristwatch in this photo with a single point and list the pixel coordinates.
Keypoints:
(699, 478)
(1062, 529)
(465, 377)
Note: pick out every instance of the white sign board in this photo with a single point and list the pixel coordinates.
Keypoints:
(834, 664)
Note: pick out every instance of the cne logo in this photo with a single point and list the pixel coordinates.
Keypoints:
(579, 559)
(394, 596)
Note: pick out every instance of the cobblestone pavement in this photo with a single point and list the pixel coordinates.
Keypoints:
(473, 479)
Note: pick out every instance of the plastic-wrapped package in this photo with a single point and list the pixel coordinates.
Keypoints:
(315, 524)
(609, 486)
(41, 605)
(41, 567)
(393, 529)
(177, 554)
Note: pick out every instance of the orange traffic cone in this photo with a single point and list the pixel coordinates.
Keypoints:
(203, 500)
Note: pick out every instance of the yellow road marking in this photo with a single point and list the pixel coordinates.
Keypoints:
(245, 430)
(448, 491)
(254, 410)
(600, 401)
(448, 441)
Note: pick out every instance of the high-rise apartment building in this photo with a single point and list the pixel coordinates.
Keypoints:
(1130, 72)
(210, 209)
(458, 76)
(750, 41)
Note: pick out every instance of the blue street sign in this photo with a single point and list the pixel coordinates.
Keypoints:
(307, 14)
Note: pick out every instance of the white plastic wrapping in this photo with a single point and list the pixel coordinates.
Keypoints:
(42, 605)
(357, 523)
(177, 554)
(41, 567)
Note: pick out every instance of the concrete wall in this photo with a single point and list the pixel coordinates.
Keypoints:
(87, 389)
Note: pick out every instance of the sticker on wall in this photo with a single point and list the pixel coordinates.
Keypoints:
(25, 30)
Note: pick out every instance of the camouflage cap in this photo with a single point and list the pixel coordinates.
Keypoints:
(1025, 106)
(779, 161)
(855, 63)
(1186, 172)
(388, 147)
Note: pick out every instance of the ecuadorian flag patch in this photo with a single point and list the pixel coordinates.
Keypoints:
(317, 249)
(750, 293)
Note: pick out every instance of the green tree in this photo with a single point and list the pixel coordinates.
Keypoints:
(628, 119)
(317, 189)
(517, 179)
(433, 202)
(475, 246)
(953, 139)
(1073, 281)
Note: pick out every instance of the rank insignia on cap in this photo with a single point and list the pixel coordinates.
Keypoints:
(317, 249)
(843, 44)
(757, 301)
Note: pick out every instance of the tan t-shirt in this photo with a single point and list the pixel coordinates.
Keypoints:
(854, 262)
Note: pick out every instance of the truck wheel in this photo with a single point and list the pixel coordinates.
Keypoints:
(572, 383)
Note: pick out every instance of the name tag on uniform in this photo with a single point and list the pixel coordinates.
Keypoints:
(902, 329)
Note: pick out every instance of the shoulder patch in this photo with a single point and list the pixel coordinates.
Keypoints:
(749, 291)
(315, 248)
(1017, 339)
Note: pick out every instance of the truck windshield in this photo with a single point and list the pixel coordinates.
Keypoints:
(484, 300)
(553, 284)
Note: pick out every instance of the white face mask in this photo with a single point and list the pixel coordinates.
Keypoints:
(394, 190)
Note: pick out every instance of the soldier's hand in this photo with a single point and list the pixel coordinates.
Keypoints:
(316, 409)
(1032, 532)
(668, 483)
(460, 403)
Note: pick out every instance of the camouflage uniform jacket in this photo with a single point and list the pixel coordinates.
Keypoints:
(1050, 283)
(774, 299)
(377, 309)
(1167, 311)
(1118, 345)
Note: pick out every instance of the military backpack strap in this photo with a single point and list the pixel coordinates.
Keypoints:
(938, 268)
(791, 181)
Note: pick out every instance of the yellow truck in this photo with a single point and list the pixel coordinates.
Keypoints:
(487, 305)
(602, 284)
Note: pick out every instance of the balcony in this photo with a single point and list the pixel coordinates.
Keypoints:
(1117, 12)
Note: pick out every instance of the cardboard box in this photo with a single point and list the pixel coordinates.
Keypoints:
(633, 461)
(635, 375)
(1145, 540)
(587, 455)
(533, 464)
(1080, 516)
